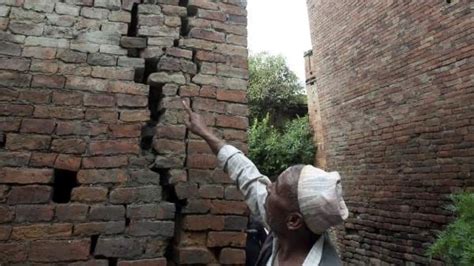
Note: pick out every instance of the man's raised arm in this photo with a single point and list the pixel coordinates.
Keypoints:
(249, 180)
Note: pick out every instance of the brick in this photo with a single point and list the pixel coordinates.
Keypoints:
(125, 130)
(10, 48)
(40, 126)
(35, 96)
(211, 15)
(15, 110)
(5, 232)
(235, 223)
(19, 64)
(133, 42)
(39, 52)
(67, 162)
(42, 159)
(145, 262)
(165, 146)
(203, 222)
(71, 212)
(105, 162)
(74, 146)
(86, 84)
(101, 176)
(131, 62)
(102, 115)
(211, 192)
(58, 112)
(98, 228)
(164, 77)
(134, 115)
(210, 57)
(128, 88)
(237, 122)
(174, 10)
(228, 207)
(232, 256)
(207, 35)
(136, 194)
(232, 96)
(34, 213)
(197, 206)
(114, 50)
(80, 128)
(120, 73)
(203, 161)
(67, 98)
(99, 100)
(89, 194)
(106, 213)
(14, 79)
(99, 59)
(124, 100)
(193, 255)
(7, 214)
(25, 175)
(118, 247)
(161, 211)
(49, 67)
(66, 9)
(95, 13)
(223, 239)
(26, 28)
(152, 228)
(120, 16)
(112, 147)
(233, 193)
(13, 252)
(41, 231)
(109, 4)
(59, 250)
(29, 195)
(70, 56)
(14, 158)
(53, 82)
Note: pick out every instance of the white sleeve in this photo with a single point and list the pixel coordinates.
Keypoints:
(249, 180)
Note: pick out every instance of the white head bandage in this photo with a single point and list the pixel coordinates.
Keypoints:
(320, 199)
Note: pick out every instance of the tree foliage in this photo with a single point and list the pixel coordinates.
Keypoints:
(456, 243)
(273, 150)
(273, 87)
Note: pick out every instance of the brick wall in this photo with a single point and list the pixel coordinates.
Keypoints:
(394, 81)
(96, 166)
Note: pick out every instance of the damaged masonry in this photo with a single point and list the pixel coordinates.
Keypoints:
(97, 166)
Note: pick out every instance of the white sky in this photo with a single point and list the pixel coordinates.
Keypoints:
(280, 27)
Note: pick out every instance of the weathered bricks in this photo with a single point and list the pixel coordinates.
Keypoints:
(73, 101)
(410, 143)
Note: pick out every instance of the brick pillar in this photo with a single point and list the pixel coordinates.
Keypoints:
(96, 165)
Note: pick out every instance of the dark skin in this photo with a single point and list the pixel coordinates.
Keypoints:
(283, 215)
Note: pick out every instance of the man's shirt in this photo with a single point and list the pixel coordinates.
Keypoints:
(253, 186)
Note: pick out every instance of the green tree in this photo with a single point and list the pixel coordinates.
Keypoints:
(456, 243)
(273, 150)
(273, 87)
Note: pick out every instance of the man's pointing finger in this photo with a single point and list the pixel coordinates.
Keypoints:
(186, 107)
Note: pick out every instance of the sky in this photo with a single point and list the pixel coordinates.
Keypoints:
(280, 27)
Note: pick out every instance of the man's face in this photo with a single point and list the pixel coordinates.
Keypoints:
(277, 204)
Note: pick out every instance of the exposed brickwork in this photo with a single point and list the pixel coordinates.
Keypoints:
(90, 96)
(392, 84)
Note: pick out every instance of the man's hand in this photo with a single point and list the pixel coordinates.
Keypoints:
(195, 124)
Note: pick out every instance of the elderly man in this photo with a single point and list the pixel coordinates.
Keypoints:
(297, 209)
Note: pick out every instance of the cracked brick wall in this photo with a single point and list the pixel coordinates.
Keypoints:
(96, 165)
(391, 87)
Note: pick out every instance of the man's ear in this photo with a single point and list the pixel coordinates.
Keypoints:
(294, 221)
